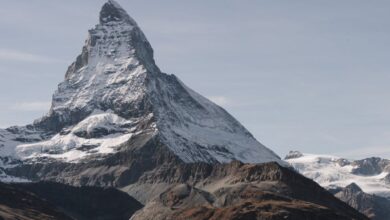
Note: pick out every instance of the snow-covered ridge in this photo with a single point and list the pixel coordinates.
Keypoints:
(330, 171)
(199, 130)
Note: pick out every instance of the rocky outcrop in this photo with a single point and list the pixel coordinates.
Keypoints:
(375, 207)
(371, 166)
(235, 191)
(293, 154)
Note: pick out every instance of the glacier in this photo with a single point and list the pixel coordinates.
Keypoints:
(370, 174)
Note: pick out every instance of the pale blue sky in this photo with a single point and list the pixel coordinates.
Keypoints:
(304, 75)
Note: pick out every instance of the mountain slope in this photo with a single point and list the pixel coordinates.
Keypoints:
(55, 201)
(113, 93)
(375, 207)
(85, 203)
(234, 191)
(16, 203)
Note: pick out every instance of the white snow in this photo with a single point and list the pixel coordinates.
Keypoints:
(108, 121)
(71, 148)
(108, 74)
(206, 132)
(68, 147)
(325, 170)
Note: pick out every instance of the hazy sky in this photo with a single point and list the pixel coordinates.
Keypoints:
(304, 75)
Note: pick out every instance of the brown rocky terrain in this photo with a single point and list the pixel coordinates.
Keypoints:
(235, 191)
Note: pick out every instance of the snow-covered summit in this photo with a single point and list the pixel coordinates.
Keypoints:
(110, 73)
(114, 93)
(331, 171)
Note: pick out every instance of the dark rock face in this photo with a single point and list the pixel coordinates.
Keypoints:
(293, 154)
(111, 11)
(375, 207)
(343, 162)
(16, 203)
(352, 189)
(387, 179)
(98, 132)
(371, 166)
(84, 203)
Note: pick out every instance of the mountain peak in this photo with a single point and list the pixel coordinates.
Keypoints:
(113, 12)
(114, 93)
(293, 154)
(353, 187)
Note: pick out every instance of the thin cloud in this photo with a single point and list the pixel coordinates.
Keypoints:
(31, 106)
(20, 56)
(220, 100)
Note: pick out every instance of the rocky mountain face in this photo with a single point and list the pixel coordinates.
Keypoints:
(371, 166)
(118, 121)
(375, 207)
